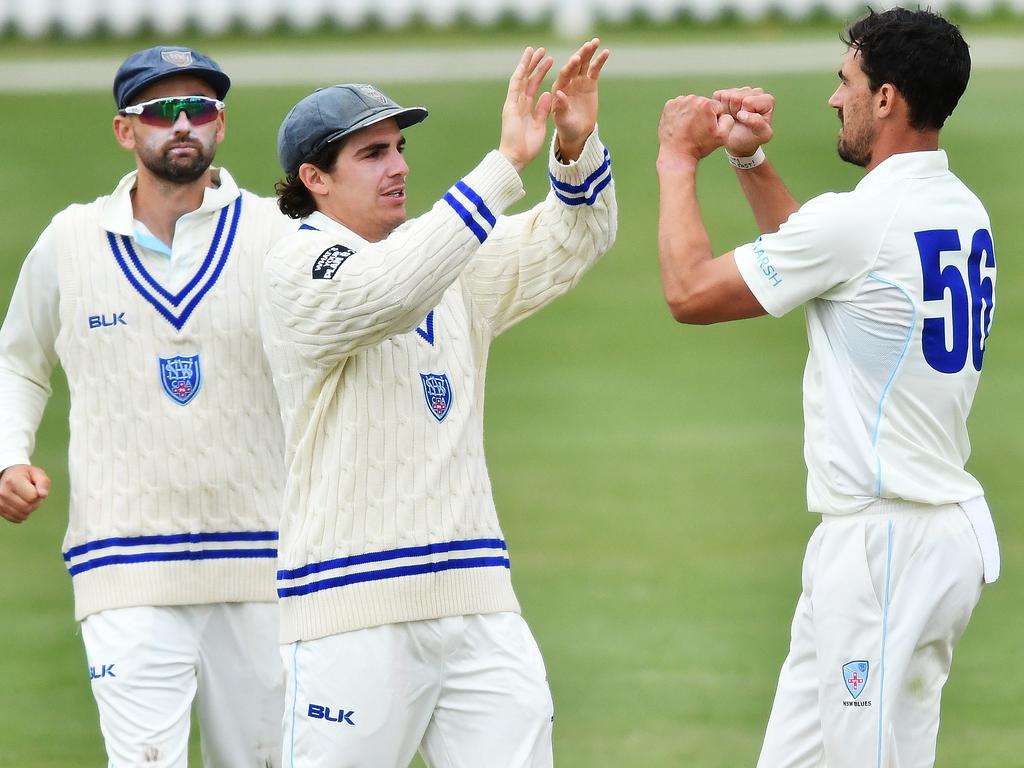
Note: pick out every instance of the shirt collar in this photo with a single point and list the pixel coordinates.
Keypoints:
(324, 223)
(908, 165)
(117, 215)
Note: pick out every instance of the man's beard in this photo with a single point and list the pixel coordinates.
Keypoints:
(177, 170)
(856, 149)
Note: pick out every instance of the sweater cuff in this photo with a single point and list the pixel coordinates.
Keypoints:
(496, 181)
(580, 181)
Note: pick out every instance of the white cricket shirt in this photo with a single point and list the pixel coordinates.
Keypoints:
(898, 277)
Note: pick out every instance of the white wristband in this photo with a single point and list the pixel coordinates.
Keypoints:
(746, 163)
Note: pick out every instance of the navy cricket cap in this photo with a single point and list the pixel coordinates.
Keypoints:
(329, 114)
(146, 67)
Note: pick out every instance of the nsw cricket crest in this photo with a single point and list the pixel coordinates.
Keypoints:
(180, 377)
(177, 58)
(370, 92)
(855, 675)
(438, 392)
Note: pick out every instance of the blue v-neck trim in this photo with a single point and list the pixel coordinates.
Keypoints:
(177, 298)
(204, 277)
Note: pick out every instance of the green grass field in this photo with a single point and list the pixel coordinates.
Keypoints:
(649, 476)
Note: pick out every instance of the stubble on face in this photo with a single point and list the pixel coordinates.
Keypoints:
(181, 159)
(858, 132)
(855, 142)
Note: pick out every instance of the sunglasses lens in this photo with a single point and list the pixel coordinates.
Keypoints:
(165, 112)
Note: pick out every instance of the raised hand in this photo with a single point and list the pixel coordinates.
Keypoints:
(22, 489)
(746, 119)
(690, 129)
(575, 98)
(524, 116)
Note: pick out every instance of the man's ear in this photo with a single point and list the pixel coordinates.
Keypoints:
(222, 121)
(886, 99)
(123, 132)
(313, 178)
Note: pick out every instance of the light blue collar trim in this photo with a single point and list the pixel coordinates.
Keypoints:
(146, 239)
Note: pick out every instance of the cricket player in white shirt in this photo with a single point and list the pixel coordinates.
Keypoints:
(147, 299)
(898, 281)
(401, 629)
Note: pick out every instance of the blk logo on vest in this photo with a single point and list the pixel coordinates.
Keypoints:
(855, 675)
(181, 377)
(438, 392)
(102, 321)
(341, 716)
(98, 673)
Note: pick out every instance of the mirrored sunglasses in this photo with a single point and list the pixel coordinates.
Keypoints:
(164, 112)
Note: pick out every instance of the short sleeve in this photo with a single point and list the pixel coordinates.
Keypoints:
(821, 247)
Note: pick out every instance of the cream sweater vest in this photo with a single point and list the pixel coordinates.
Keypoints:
(379, 354)
(175, 454)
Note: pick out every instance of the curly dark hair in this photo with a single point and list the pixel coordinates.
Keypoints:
(920, 53)
(293, 198)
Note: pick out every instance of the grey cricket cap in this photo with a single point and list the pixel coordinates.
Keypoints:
(329, 114)
(146, 67)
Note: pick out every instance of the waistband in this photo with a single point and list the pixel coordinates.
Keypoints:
(975, 510)
(891, 507)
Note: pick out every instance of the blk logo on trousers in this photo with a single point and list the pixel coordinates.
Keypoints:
(107, 670)
(317, 712)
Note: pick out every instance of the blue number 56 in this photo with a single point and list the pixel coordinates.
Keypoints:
(970, 303)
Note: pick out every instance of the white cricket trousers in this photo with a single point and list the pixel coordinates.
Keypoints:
(467, 691)
(887, 593)
(148, 664)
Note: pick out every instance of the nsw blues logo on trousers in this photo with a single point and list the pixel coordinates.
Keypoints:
(855, 675)
(438, 392)
(181, 377)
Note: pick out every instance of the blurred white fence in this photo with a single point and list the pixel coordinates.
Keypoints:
(79, 18)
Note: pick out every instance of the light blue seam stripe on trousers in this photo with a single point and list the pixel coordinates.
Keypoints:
(885, 629)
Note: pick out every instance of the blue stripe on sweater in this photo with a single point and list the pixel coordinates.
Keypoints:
(391, 554)
(466, 217)
(394, 573)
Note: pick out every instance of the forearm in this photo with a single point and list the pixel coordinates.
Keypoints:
(533, 257)
(769, 200)
(683, 242)
(28, 354)
(22, 402)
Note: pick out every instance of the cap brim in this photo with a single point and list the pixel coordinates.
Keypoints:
(405, 116)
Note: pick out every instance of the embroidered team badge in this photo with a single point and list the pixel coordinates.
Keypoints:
(180, 377)
(177, 58)
(855, 675)
(438, 392)
(370, 92)
(330, 261)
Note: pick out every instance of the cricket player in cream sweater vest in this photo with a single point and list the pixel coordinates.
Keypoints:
(401, 629)
(147, 299)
